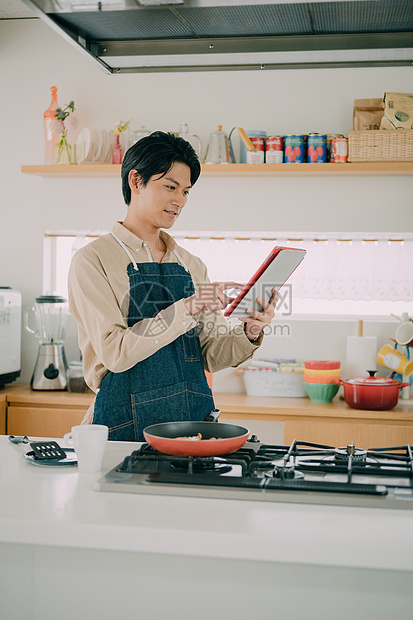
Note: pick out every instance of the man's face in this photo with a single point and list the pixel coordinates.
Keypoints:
(161, 201)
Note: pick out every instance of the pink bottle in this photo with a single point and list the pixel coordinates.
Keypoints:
(51, 138)
(117, 153)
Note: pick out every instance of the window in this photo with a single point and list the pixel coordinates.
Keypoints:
(343, 274)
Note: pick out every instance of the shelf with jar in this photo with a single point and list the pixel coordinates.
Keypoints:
(373, 168)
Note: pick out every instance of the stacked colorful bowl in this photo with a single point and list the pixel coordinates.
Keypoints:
(321, 380)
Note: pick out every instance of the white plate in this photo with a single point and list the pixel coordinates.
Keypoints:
(71, 459)
(96, 140)
(104, 153)
(83, 145)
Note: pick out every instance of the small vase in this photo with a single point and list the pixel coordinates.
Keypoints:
(117, 153)
(63, 151)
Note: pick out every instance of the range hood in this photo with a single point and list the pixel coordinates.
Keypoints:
(130, 36)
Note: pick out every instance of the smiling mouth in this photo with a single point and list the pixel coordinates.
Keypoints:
(174, 213)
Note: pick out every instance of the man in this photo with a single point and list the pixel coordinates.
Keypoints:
(149, 320)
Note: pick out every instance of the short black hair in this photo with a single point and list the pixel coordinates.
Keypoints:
(156, 154)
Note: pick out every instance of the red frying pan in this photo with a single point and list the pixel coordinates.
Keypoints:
(217, 438)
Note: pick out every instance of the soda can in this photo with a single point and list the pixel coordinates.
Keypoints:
(317, 148)
(340, 150)
(294, 149)
(275, 150)
(257, 156)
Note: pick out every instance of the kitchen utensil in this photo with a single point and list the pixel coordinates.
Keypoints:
(89, 442)
(14, 439)
(394, 360)
(375, 393)
(47, 450)
(218, 151)
(321, 392)
(69, 460)
(217, 438)
(244, 147)
(193, 139)
(246, 140)
(50, 370)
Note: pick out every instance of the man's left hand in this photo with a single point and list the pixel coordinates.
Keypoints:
(254, 325)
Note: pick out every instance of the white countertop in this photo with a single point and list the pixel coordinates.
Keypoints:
(57, 506)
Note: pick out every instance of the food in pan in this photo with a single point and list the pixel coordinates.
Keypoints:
(192, 438)
(197, 437)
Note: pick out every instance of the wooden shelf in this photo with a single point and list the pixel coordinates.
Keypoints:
(391, 168)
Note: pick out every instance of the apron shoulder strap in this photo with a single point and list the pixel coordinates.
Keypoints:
(180, 260)
(135, 266)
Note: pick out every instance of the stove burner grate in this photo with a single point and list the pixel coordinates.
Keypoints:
(344, 454)
(207, 465)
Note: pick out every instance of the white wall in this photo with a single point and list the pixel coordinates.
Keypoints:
(33, 58)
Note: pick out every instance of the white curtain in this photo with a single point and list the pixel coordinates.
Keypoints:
(345, 267)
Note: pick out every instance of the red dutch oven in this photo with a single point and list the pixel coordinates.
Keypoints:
(379, 393)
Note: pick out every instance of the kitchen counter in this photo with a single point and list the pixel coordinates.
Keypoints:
(63, 539)
(52, 414)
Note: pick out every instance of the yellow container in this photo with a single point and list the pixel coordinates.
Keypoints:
(391, 358)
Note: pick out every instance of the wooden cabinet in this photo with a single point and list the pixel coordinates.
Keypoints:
(3, 407)
(45, 414)
(7, 391)
(52, 414)
(334, 424)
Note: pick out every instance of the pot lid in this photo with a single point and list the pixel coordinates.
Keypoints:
(376, 381)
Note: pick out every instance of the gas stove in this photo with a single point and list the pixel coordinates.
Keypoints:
(301, 473)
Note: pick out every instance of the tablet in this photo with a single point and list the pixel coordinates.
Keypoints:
(274, 271)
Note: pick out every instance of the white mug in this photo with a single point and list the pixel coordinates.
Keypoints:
(89, 442)
(404, 334)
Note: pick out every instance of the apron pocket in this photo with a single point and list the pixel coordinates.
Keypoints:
(200, 400)
(167, 404)
(122, 432)
(191, 346)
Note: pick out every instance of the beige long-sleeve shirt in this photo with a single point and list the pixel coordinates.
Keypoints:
(99, 301)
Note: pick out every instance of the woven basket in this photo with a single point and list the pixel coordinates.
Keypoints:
(377, 145)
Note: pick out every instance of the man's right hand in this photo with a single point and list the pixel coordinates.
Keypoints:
(210, 298)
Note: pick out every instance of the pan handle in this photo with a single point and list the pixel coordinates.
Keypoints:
(213, 416)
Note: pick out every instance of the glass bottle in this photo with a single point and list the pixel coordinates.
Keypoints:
(51, 138)
(117, 153)
(194, 141)
(63, 150)
(141, 133)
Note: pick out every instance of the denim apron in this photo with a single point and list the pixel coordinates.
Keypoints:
(168, 386)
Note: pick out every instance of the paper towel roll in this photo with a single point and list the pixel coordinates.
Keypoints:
(361, 354)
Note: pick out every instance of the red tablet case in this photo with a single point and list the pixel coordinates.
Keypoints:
(274, 271)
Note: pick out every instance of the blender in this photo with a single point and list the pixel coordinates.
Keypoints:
(50, 313)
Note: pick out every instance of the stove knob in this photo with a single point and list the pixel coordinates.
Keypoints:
(51, 372)
(254, 439)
